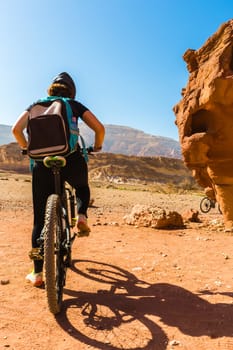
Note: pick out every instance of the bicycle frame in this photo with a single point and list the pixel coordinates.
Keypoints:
(56, 239)
(56, 236)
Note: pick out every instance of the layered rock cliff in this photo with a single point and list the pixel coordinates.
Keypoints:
(204, 117)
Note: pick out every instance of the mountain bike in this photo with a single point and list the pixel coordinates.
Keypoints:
(57, 236)
(206, 204)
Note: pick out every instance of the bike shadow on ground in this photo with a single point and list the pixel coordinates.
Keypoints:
(132, 299)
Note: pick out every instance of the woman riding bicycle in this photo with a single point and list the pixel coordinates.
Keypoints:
(75, 172)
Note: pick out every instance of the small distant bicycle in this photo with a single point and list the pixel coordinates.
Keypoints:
(206, 204)
(57, 237)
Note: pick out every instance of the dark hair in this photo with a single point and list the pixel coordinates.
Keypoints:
(57, 89)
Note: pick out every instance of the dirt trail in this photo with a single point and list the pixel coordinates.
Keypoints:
(130, 288)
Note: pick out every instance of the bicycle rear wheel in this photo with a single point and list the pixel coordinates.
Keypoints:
(205, 205)
(54, 266)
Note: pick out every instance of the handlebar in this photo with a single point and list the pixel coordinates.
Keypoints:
(24, 151)
(90, 149)
(87, 150)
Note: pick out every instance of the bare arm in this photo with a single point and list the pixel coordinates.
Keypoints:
(18, 128)
(90, 119)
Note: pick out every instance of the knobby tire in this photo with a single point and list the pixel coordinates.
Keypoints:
(54, 269)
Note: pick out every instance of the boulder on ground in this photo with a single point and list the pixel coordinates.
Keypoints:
(191, 215)
(155, 217)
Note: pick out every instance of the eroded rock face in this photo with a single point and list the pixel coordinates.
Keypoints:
(204, 117)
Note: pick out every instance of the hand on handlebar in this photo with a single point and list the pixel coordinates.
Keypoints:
(97, 149)
(93, 149)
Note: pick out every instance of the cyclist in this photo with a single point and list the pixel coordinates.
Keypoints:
(75, 172)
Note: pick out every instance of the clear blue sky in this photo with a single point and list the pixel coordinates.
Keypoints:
(125, 55)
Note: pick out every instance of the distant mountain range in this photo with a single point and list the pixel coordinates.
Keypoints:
(120, 140)
(109, 168)
(5, 135)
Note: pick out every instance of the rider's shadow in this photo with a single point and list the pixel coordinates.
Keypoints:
(175, 306)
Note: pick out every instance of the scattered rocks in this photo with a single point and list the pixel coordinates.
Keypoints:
(99, 223)
(137, 268)
(174, 342)
(4, 282)
(226, 257)
(191, 215)
(155, 217)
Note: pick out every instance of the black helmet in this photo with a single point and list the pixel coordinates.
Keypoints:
(65, 78)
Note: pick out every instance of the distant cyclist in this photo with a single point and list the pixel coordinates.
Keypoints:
(75, 172)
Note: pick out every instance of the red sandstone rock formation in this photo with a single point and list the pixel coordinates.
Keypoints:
(204, 117)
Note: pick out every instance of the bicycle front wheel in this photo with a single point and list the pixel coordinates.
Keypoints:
(54, 267)
(205, 205)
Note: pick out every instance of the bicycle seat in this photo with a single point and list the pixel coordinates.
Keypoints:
(54, 161)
